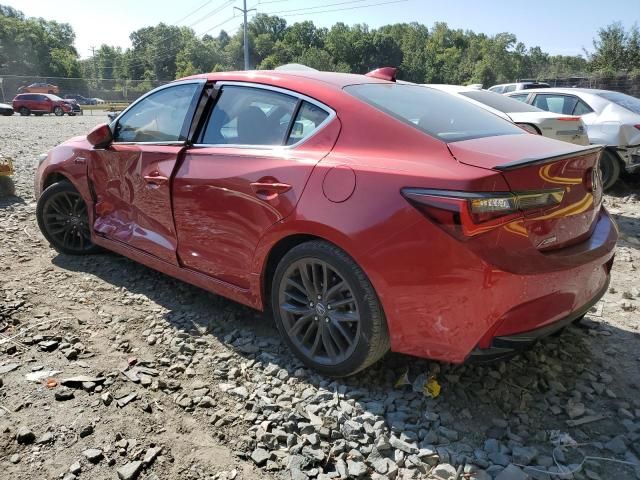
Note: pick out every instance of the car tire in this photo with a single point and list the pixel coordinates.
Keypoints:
(58, 111)
(609, 169)
(24, 111)
(8, 113)
(63, 220)
(337, 341)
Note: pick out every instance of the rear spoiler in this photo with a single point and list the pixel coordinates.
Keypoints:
(541, 161)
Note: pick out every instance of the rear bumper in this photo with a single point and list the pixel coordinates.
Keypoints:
(506, 346)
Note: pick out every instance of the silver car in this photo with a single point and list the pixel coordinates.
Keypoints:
(611, 118)
(512, 87)
(568, 128)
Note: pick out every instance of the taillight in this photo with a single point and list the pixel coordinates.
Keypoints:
(568, 119)
(527, 127)
(465, 214)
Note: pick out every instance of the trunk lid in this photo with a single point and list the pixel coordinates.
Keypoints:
(531, 163)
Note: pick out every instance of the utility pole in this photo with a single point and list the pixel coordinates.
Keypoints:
(246, 33)
(95, 65)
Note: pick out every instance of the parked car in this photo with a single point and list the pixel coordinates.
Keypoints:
(98, 101)
(40, 88)
(80, 99)
(76, 109)
(39, 104)
(512, 87)
(611, 118)
(368, 214)
(6, 109)
(568, 128)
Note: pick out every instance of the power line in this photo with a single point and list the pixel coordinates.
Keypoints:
(311, 10)
(339, 9)
(196, 10)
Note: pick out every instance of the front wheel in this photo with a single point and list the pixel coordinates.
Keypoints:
(327, 310)
(62, 217)
(24, 111)
(609, 169)
(58, 112)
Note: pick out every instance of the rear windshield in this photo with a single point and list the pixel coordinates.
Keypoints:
(625, 101)
(436, 113)
(500, 102)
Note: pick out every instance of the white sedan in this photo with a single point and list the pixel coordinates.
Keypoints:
(568, 128)
(612, 119)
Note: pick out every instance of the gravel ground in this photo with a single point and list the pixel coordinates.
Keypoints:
(111, 370)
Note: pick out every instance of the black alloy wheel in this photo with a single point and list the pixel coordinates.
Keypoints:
(63, 220)
(24, 111)
(327, 310)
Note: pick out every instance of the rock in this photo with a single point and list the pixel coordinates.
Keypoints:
(445, 471)
(9, 367)
(76, 382)
(402, 445)
(25, 436)
(240, 392)
(124, 401)
(523, 455)
(64, 395)
(356, 469)
(86, 431)
(94, 455)
(260, 456)
(69, 476)
(151, 455)
(15, 458)
(512, 473)
(75, 468)
(47, 437)
(129, 471)
(616, 445)
(106, 398)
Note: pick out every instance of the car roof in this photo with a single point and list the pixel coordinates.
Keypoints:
(333, 79)
(593, 91)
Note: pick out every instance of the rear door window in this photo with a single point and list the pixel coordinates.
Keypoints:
(563, 104)
(249, 116)
(521, 98)
(308, 119)
(436, 113)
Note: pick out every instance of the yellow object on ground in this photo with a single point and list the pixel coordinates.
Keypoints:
(431, 387)
(6, 166)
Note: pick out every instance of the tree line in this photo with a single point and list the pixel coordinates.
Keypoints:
(438, 54)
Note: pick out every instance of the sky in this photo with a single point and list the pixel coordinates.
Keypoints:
(558, 27)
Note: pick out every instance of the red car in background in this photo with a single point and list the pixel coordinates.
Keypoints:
(41, 103)
(367, 214)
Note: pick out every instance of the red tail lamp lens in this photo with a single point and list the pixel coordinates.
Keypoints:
(466, 214)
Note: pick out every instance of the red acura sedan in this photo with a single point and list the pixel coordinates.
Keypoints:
(368, 214)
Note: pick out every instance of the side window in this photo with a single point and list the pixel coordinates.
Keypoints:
(563, 104)
(497, 89)
(159, 117)
(509, 88)
(522, 98)
(309, 117)
(249, 116)
(581, 108)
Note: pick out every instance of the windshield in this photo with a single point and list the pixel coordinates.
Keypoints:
(55, 98)
(625, 101)
(436, 113)
(500, 102)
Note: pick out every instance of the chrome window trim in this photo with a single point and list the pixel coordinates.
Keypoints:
(172, 142)
(113, 123)
(300, 96)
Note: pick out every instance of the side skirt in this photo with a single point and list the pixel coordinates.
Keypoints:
(213, 285)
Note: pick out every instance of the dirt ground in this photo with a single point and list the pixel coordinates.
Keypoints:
(111, 370)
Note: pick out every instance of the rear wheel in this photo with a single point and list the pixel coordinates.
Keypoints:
(327, 310)
(58, 112)
(609, 168)
(63, 220)
(24, 111)
(8, 113)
